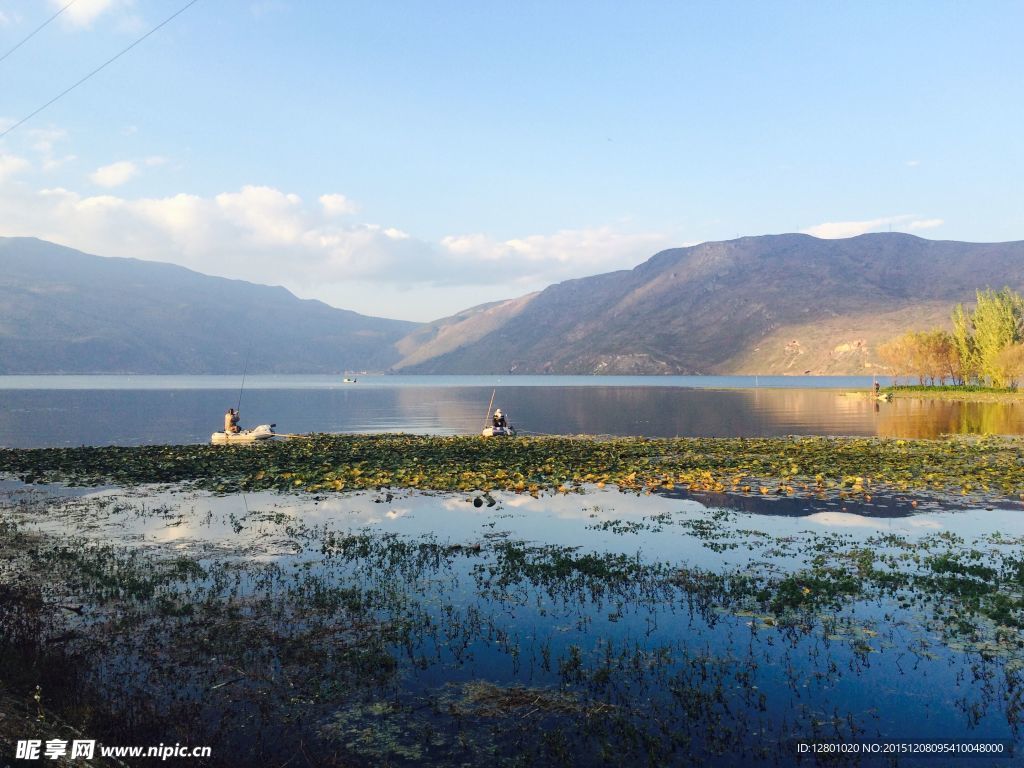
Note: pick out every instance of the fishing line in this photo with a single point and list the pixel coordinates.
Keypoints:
(38, 29)
(100, 67)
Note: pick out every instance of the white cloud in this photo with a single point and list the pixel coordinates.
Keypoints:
(266, 216)
(839, 229)
(11, 165)
(257, 233)
(44, 143)
(155, 160)
(4, 19)
(844, 520)
(43, 139)
(84, 12)
(924, 224)
(849, 520)
(564, 254)
(337, 205)
(115, 174)
(266, 235)
(912, 163)
(52, 162)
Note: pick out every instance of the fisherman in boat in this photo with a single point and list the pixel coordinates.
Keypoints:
(499, 420)
(231, 421)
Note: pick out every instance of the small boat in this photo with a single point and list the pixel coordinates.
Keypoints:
(254, 435)
(499, 431)
(885, 397)
(347, 380)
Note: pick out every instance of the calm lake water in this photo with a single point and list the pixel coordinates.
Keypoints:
(37, 411)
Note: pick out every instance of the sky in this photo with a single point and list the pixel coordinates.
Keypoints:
(413, 159)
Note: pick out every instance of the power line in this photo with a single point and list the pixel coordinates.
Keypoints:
(111, 60)
(38, 29)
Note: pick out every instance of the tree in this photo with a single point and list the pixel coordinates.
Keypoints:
(997, 320)
(975, 349)
(896, 355)
(928, 355)
(938, 356)
(1011, 364)
(963, 345)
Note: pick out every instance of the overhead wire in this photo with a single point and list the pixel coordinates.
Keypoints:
(109, 61)
(38, 29)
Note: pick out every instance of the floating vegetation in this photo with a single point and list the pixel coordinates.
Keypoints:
(987, 468)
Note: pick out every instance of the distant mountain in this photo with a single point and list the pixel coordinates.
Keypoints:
(771, 304)
(63, 311)
(438, 338)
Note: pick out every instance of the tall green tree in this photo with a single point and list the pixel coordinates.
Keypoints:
(963, 345)
(997, 319)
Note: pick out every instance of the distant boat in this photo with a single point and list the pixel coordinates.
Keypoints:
(262, 432)
(347, 380)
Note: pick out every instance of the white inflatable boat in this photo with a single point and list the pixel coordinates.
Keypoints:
(499, 431)
(262, 432)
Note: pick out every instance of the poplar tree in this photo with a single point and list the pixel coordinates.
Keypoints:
(997, 321)
(963, 343)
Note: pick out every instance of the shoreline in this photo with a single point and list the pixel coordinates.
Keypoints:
(939, 394)
(967, 397)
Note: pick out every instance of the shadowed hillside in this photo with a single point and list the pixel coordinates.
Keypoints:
(63, 311)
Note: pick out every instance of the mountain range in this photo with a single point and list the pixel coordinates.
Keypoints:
(769, 304)
(64, 311)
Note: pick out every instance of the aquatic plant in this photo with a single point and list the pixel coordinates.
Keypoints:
(983, 469)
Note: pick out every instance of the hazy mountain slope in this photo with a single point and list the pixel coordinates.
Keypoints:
(709, 307)
(65, 311)
(443, 336)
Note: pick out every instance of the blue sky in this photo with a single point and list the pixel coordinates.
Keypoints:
(410, 159)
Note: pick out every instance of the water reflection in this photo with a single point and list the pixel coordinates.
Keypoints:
(932, 418)
(581, 630)
(31, 418)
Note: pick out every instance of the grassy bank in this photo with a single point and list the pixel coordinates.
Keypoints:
(987, 468)
(966, 392)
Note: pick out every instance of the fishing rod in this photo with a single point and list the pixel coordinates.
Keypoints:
(245, 369)
(488, 414)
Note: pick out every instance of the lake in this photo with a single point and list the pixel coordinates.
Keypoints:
(40, 411)
(488, 628)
